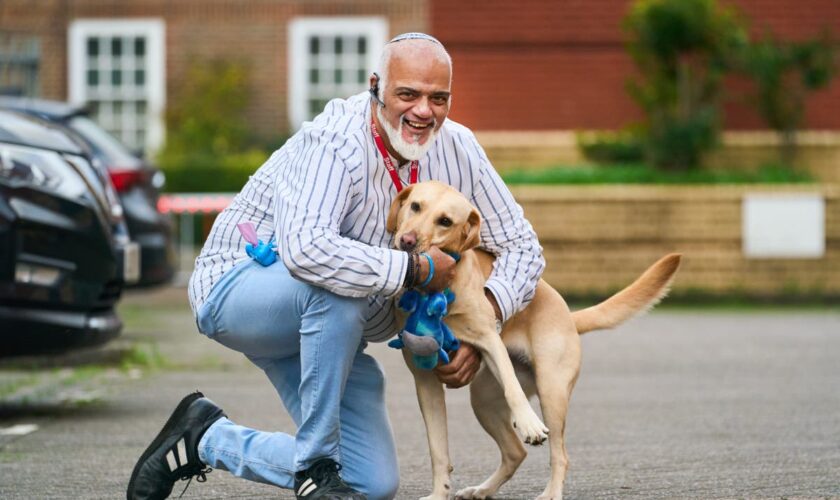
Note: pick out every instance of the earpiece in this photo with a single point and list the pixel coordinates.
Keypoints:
(374, 90)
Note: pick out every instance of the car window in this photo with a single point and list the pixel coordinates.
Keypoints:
(26, 130)
(105, 144)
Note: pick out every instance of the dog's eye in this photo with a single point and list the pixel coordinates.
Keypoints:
(445, 221)
(415, 207)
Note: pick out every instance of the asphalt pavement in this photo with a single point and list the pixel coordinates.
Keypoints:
(676, 404)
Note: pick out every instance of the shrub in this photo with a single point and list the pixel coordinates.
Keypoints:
(783, 74)
(209, 146)
(682, 49)
(611, 147)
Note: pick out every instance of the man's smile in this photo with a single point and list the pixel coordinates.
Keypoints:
(418, 125)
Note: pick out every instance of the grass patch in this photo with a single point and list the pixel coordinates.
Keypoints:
(645, 174)
(12, 383)
(145, 356)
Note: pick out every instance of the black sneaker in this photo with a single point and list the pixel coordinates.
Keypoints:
(321, 481)
(173, 454)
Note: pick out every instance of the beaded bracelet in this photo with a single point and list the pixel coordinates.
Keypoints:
(410, 275)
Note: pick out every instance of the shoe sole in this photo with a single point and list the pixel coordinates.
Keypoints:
(162, 435)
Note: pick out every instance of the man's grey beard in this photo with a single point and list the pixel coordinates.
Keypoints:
(408, 150)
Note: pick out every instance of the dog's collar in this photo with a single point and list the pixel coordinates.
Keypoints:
(454, 255)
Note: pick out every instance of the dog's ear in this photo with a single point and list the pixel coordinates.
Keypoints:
(391, 225)
(472, 230)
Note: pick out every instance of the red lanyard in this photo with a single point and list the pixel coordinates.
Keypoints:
(412, 174)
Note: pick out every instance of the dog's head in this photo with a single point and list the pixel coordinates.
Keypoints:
(433, 214)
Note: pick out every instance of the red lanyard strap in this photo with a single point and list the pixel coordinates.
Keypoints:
(389, 164)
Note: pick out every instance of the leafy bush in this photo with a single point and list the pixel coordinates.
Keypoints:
(611, 147)
(227, 173)
(783, 74)
(682, 49)
(209, 146)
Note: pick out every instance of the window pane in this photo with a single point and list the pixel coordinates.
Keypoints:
(337, 76)
(116, 77)
(118, 107)
(139, 77)
(362, 45)
(139, 46)
(338, 45)
(361, 76)
(93, 46)
(314, 45)
(116, 47)
(92, 78)
(313, 75)
(141, 108)
(316, 106)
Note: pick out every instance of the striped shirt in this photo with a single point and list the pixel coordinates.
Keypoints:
(326, 195)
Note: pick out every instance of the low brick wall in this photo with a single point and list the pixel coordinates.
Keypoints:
(818, 152)
(598, 239)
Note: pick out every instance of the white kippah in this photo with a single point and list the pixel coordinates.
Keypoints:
(415, 36)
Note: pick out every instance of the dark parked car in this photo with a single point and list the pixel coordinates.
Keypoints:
(64, 248)
(137, 182)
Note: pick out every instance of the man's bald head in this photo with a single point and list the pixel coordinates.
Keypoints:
(412, 46)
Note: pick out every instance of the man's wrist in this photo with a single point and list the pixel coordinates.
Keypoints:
(411, 271)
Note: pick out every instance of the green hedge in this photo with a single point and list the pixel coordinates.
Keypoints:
(205, 174)
(645, 174)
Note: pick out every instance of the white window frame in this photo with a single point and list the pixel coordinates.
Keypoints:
(301, 28)
(154, 30)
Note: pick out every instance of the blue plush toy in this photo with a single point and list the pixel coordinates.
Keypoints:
(425, 334)
(264, 253)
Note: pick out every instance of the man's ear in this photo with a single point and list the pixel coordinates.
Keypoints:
(391, 225)
(472, 230)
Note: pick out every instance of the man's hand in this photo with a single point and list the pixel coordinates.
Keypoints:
(444, 269)
(463, 365)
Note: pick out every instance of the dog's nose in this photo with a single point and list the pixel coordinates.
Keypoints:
(408, 241)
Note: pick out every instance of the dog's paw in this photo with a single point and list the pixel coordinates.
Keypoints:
(473, 492)
(530, 427)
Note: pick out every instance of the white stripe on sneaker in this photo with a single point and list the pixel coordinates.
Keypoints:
(182, 451)
(312, 487)
(170, 459)
(304, 485)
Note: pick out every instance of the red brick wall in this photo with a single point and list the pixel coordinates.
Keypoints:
(253, 32)
(549, 64)
(527, 65)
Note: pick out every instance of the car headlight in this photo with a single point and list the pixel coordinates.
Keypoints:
(48, 170)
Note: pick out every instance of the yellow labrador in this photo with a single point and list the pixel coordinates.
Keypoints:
(543, 340)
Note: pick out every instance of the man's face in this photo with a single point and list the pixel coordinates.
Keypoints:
(417, 100)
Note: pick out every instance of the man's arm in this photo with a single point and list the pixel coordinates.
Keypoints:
(507, 234)
(312, 194)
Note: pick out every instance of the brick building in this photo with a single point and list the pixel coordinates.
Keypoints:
(549, 65)
(519, 66)
(127, 57)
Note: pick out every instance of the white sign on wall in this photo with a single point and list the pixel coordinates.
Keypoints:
(777, 225)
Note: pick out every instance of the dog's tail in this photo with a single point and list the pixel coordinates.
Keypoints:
(638, 298)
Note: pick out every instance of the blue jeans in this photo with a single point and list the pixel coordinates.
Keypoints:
(309, 343)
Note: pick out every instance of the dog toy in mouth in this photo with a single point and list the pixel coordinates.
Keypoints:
(425, 334)
(264, 253)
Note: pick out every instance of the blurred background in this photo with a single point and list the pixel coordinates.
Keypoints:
(625, 128)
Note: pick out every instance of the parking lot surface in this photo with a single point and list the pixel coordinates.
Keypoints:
(677, 404)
